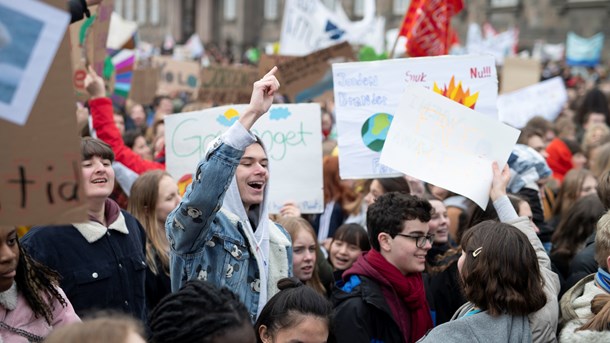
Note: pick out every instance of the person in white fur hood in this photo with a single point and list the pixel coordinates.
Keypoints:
(585, 308)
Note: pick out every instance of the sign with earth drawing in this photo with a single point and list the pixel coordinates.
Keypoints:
(292, 136)
(367, 97)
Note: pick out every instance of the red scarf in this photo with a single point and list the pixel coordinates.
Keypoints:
(405, 295)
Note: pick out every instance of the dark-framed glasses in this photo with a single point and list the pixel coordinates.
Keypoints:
(420, 241)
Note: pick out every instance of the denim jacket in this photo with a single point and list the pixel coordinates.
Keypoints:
(211, 241)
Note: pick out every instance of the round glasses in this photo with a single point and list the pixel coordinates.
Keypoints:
(420, 241)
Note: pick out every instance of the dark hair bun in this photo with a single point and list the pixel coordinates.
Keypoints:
(289, 282)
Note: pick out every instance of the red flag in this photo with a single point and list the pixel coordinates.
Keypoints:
(427, 26)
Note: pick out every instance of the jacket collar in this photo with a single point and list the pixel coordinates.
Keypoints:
(92, 231)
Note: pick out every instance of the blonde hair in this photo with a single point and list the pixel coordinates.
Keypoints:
(143, 205)
(294, 225)
(602, 240)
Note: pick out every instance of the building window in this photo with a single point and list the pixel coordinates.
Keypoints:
(154, 12)
(118, 7)
(504, 3)
(129, 9)
(230, 9)
(399, 7)
(330, 4)
(359, 8)
(271, 10)
(142, 11)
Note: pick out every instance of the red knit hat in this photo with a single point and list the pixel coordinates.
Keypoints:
(559, 158)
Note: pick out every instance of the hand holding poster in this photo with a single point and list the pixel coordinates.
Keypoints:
(545, 99)
(367, 95)
(292, 136)
(441, 142)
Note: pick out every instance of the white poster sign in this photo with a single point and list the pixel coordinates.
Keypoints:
(308, 26)
(438, 141)
(30, 33)
(367, 95)
(292, 135)
(546, 98)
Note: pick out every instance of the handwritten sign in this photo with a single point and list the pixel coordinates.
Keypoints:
(99, 35)
(177, 76)
(227, 85)
(449, 145)
(367, 95)
(269, 61)
(40, 177)
(545, 99)
(304, 78)
(519, 72)
(292, 136)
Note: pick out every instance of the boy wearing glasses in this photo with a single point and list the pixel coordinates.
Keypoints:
(381, 297)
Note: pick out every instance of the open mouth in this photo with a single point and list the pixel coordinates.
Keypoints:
(256, 184)
(99, 181)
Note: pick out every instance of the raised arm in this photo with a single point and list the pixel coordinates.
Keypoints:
(190, 221)
(103, 123)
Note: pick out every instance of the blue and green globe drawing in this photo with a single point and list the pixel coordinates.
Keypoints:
(375, 130)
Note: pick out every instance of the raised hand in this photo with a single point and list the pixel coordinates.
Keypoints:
(499, 182)
(261, 99)
(94, 84)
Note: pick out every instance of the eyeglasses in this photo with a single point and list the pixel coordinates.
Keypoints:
(420, 241)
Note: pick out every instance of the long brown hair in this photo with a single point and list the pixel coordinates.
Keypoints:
(142, 205)
(293, 225)
(334, 190)
(570, 189)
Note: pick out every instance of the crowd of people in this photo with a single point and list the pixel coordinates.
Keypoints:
(201, 259)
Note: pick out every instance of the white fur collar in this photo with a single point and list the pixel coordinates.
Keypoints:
(92, 231)
(8, 298)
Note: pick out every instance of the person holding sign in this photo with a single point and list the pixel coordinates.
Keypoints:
(502, 307)
(221, 231)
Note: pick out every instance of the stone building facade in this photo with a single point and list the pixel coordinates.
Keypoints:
(244, 23)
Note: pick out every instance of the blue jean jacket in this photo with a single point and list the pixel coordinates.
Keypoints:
(209, 243)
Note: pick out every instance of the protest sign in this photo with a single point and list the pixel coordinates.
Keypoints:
(308, 25)
(307, 77)
(584, 51)
(177, 76)
(78, 30)
(518, 73)
(120, 31)
(499, 45)
(99, 35)
(292, 136)
(227, 85)
(546, 99)
(269, 61)
(30, 34)
(40, 173)
(144, 85)
(443, 143)
(367, 96)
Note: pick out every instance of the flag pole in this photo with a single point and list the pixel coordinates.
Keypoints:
(402, 23)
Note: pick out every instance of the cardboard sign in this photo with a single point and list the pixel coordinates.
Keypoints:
(367, 95)
(546, 99)
(78, 30)
(99, 35)
(176, 76)
(291, 133)
(269, 61)
(40, 173)
(144, 85)
(449, 145)
(227, 85)
(30, 34)
(307, 77)
(519, 73)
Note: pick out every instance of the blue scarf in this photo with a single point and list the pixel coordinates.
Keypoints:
(602, 279)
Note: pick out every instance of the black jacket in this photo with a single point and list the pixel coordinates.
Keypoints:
(362, 314)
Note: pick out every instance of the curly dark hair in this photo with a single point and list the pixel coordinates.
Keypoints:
(206, 312)
(389, 212)
(38, 284)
